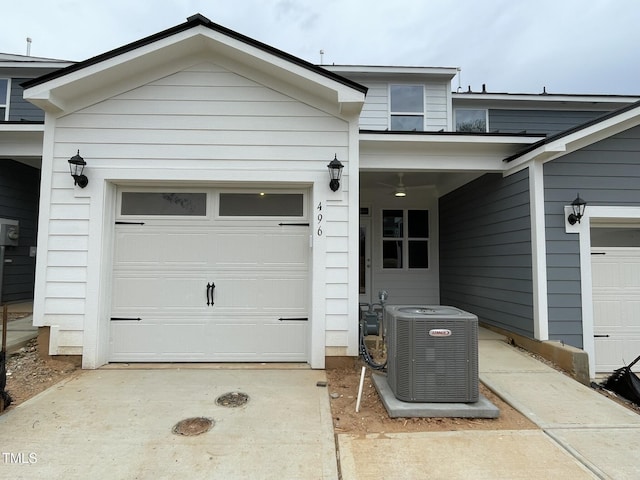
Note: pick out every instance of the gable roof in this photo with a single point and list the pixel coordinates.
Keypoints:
(160, 54)
(194, 21)
(580, 136)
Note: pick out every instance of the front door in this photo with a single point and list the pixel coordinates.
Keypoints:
(211, 276)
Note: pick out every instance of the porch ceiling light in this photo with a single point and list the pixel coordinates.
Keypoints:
(401, 191)
(578, 206)
(335, 173)
(76, 167)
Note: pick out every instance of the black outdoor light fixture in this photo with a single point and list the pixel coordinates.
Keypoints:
(76, 167)
(335, 173)
(577, 206)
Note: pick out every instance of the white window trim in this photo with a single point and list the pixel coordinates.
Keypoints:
(422, 114)
(7, 100)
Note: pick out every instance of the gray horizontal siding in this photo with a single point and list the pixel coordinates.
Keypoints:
(605, 173)
(485, 251)
(19, 187)
(546, 122)
(19, 108)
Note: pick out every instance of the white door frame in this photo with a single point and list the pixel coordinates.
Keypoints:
(365, 222)
(583, 229)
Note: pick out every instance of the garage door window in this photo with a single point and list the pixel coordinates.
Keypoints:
(164, 204)
(261, 205)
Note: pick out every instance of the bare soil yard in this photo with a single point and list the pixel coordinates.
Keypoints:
(28, 374)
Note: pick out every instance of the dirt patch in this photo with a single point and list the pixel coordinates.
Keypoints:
(28, 374)
(373, 417)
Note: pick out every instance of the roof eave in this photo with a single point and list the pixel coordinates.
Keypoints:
(54, 92)
(194, 21)
(578, 137)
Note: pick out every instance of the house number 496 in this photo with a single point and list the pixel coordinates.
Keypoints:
(319, 217)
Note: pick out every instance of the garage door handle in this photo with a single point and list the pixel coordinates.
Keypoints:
(601, 336)
(210, 287)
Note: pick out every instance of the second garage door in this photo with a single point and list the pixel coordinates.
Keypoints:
(616, 307)
(210, 276)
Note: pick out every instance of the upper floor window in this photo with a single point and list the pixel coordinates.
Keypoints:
(407, 107)
(471, 120)
(4, 98)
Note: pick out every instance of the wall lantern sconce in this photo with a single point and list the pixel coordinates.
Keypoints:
(577, 206)
(335, 173)
(76, 167)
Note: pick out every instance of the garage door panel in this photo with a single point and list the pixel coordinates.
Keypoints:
(631, 275)
(237, 339)
(185, 248)
(261, 296)
(613, 353)
(138, 248)
(235, 249)
(258, 250)
(286, 295)
(143, 293)
(609, 312)
(290, 339)
(156, 339)
(616, 307)
(149, 248)
(291, 250)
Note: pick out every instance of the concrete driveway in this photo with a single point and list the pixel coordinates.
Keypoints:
(117, 424)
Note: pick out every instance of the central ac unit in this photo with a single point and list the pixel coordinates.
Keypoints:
(432, 354)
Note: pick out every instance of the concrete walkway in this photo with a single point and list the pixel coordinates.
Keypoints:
(582, 433)
(116, 423)
(19, 330)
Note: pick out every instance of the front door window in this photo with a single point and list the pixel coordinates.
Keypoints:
(405, 247)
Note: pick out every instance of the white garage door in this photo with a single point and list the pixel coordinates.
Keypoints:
(210, 276)
(616, 306)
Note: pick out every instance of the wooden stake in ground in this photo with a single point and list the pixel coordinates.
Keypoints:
(360, 389)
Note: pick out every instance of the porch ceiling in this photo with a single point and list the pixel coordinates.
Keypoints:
(439, 182)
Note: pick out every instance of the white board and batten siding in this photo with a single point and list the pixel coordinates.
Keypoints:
(204, 125)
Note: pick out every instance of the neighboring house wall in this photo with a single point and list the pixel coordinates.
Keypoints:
(19, 186)
(376, 111)
(548, 122)
(202, 124)
(485, 251)
(19, 108)
(606, 173)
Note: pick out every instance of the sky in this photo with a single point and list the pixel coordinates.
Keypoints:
(515, 46)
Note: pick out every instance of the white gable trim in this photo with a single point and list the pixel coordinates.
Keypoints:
(113, 75)
(577, 140)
